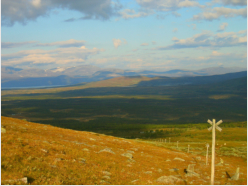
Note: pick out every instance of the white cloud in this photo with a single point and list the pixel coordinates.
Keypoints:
(175, 30)
(62, 44)
(56, 56)
(232, 2)
(218, 12)
(222, 27)
(167, 5)
(116, 42)
(208, 39)
(23, 11)
(5, 45)
(144, 44)
(130, 14)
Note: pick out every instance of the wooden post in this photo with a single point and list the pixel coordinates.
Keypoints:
(213, 145)
(188, 148)
(207, 154)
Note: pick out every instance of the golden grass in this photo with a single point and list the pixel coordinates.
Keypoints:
(52, 155)
(114, 82)
(226, 96)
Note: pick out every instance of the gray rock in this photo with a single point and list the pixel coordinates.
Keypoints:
(92, 139)
(236, 175)
(129, 151)
(128, 155)
(3, 130)
(170, 180)
(106, 173)
(148, 172)
(107, 150)
(44, 150)
(85, 149)
(22, 180)
(173, 170)
(82, 160)
(134, 181)
(106, 177)
(179, 159)
(168, 160)
(160, 170)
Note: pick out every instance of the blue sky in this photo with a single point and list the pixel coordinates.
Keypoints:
(125, 34)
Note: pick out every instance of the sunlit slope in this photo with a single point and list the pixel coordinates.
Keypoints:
(114, 82)
(51, 155)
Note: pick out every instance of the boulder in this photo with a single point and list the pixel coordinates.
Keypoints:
(179, 159)
(107, 150)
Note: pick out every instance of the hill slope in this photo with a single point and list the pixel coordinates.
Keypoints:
(51, 155)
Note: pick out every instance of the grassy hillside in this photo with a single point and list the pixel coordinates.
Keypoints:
(114, 82)
(51, 155)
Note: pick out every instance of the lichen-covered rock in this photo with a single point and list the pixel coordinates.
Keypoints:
(128, 155)
(179, 159)
(170, 180)
(107, 150)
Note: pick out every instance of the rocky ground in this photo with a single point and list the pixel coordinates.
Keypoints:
(41, 154)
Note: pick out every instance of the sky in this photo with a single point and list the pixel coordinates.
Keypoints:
(124, 34)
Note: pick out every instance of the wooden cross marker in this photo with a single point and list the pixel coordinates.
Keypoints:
(213, 127)
(207, 145)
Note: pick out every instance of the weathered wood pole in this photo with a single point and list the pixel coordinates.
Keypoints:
(207, 154)
(213, 146)
(213, 153)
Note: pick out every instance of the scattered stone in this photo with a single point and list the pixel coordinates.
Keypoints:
(104, 182)
(179, 159)
(236, 175)
(131, 160)
(173, 170)
(190, 171)
(3, 130)
(160, 170)
(128, 155)
(170, 180)
(44, 150)
(85, 149)
(82, 160)
(129, 151)
(148, 172)
(58, 159)
(223, 176)
(23, 180)
(53, 166)
(106, 177)
(134, 181)
(135, 149)
(107, 150)
(168, 160)
(106, 173)
(92, 139)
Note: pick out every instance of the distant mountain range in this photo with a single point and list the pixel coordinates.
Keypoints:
(28, 78)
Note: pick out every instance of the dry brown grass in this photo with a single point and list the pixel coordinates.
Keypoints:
(51, 155)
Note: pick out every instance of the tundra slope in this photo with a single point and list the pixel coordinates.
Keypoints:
(51, 155)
